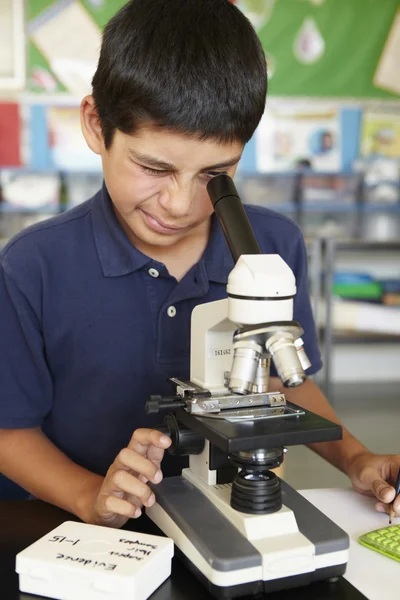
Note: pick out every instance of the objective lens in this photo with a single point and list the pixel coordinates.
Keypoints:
(261, 380)
(244, 366)
(284, 354)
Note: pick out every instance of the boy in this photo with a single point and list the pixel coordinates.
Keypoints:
(96, 303)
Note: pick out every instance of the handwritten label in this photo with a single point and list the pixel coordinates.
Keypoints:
(127, 555)
(60, 538)
(87, 562)
(135, 550)
(137, 543)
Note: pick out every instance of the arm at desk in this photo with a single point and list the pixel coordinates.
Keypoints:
(341, 453)
(370, 474)
(30, 459)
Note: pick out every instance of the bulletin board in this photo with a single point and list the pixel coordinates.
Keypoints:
(317, 58)
(338, 53)
(72, 26)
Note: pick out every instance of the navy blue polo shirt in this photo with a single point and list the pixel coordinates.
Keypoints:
(90, 326)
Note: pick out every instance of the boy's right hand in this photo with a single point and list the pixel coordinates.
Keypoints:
(124, 492)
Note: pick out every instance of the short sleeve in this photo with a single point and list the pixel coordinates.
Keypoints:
(302, 305)
(26, 388)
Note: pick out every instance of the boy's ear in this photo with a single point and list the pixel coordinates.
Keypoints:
(90, 124)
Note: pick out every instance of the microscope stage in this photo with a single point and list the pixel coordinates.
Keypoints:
(304, 428)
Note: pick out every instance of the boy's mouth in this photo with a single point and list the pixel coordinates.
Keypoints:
(157, 225)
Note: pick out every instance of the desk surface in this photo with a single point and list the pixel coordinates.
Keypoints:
(375, 575)
(23, 522)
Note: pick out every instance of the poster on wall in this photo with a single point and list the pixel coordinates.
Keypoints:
(296, 135)
(380, 134)
(68, 147)
(63, 43)
(69, 40)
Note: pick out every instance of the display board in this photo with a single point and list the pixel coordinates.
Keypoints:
(323, 47)
(315, 48)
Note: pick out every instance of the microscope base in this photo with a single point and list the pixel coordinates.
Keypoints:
(229, 564)
(256, 588)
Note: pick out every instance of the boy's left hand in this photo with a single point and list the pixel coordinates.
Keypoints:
(375, 475)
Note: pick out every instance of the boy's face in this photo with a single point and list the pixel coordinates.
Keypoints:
(157, 180)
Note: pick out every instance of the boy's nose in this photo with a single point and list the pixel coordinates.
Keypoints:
(177, 201)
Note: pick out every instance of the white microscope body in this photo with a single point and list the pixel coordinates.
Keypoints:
(257, 276)
(255, 533)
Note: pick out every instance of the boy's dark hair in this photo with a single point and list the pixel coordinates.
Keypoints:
(194, 66)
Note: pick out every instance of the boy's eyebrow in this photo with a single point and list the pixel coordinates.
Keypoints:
(160, 164)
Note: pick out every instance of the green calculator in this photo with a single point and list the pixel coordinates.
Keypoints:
(386, 541)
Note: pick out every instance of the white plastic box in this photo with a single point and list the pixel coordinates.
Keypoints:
(77, 561)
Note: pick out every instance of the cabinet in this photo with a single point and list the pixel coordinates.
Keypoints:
(381, 257)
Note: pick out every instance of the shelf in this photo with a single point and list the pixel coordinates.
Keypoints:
(8, 209)
(329, 207)
(373, 207)
(288, 207)
(326, 206)
(336, 207)
(359, 337)
(243, 174)
(361, 244)
(26, 170)
(350, 337)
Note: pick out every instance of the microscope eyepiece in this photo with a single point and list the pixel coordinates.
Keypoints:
(232, 216)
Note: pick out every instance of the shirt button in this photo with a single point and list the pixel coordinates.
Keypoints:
(171, 311)
(153, 272)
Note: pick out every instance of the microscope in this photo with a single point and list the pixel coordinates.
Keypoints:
(239, 527)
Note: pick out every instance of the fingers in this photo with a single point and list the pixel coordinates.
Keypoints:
(119, 506)
(383, 491)
(121, 497)
(124, 490)
(123, 481)
(142, 439)
(130, 460)
(396, 506)
(385, 508)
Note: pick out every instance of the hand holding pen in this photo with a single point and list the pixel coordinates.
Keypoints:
(397, 488)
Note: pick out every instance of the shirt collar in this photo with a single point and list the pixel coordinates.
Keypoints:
(116, 253)
(119, 257)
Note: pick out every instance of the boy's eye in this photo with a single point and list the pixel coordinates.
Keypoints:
(153, 171)
(215, 173)
(159, 172)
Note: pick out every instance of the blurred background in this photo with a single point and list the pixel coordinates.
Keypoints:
(326, 154)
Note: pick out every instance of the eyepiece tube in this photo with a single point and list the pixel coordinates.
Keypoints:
(232, 216)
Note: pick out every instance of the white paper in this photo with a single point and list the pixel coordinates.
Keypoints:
(374, 575)
(387, 74)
